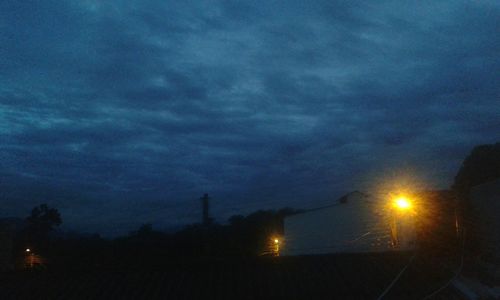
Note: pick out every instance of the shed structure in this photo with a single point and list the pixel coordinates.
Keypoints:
(485, 199)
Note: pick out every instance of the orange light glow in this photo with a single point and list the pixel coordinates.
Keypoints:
(402, 203)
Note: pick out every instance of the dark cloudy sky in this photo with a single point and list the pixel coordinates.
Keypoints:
(124, 112)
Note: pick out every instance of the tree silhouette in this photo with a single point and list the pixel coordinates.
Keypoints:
(42, 220)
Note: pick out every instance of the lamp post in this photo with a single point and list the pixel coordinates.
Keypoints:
(276, 247)
(400, 208)
(29, 258)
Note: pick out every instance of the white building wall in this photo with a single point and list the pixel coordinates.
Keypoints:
(360, 225)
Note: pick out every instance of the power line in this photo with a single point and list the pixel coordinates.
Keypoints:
(457, 273)
(393, 282)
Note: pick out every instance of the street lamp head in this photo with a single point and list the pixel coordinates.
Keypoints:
(28, 250)
(402, 203)
(276, 241)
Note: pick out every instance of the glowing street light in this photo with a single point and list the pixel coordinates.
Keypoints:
(276, 246)
(28, 250)
(402, 203)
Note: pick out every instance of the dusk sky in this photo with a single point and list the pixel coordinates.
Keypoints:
(125, 112)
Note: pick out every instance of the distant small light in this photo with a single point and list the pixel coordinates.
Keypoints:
(276, 241)
(28, 250)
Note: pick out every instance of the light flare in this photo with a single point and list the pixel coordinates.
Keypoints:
(402, 203)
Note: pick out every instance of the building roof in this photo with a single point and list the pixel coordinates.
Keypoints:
(342, 200)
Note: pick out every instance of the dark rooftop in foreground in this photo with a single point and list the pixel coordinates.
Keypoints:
(347, 276)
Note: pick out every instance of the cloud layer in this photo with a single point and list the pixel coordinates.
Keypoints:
(125, 112)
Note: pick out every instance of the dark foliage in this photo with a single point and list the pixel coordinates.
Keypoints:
(244, 236)
(42, 220)
(247, 236)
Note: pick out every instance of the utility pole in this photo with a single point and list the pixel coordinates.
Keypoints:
(205, 209)
(205, 221)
